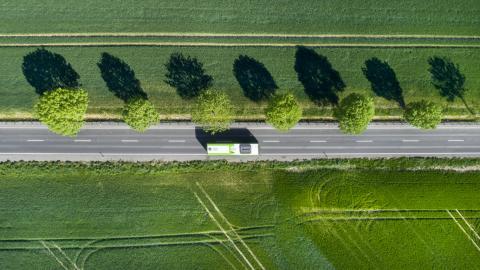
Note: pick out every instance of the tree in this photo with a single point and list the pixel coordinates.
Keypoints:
(256, 81)
(354, 113)
(423, 114)
(283, 112)
(213, 111)
(187, 75)
(140, 114)
(63, 110)
(47, 71)
(447, 78)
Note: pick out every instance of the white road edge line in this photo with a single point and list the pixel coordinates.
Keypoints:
(35, 140)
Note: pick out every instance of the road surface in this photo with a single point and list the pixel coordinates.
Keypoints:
(184, 142)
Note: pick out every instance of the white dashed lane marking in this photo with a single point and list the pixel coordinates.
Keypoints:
(129, 141)
(456, 140)
(270, 141)
(318, 141)
(176, 141)
(364, 141)
(410, 140)
(79, 140)
(35, 140)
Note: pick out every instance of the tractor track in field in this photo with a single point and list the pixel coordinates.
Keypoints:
(232, 44)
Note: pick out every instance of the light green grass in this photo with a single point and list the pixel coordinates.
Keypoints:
(410, 65)
(265, 16)
(147, 216)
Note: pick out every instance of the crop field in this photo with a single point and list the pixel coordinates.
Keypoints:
(250, 218)
(145, 33)
(265, 16)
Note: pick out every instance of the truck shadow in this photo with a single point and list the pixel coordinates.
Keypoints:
(234, 135)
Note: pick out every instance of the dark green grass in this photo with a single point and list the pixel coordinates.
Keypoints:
(265, 16)
(127, 205)
(410, 66)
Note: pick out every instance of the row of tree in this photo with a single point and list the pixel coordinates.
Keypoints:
(63, 104)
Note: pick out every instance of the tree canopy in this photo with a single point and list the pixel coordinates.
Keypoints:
(283, 112)
(213, 111)
(140, 114)
(63, 110)
(354, 113)
(186, 74)
(423, 114)
(256, 81)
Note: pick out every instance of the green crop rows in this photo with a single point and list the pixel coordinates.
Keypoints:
(216, 218)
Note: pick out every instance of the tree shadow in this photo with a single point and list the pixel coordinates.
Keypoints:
(383, 80)
(186, 74)
(120, 78)
(320, 80)
(45, 70)
(256, 81)
(447, 78)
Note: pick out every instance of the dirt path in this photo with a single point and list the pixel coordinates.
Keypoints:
(229, 44)
(242, 35)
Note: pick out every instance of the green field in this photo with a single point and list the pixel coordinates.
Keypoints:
(144, 34)
(337, 215)
(265, 16)
(410, 65)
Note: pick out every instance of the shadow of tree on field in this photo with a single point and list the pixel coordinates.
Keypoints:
(383, 80)
(186, 74)
(256, 81)
(45, 70)
(120, 78)
(447, 78)
(320, 80)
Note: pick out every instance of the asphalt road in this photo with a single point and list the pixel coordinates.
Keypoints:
(185, 143)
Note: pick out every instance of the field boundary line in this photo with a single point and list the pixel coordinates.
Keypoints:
(230, 225)
(53, 255)
(233, 44)
(236, 35)
(224, 232)
(463, 230)
(468, 224)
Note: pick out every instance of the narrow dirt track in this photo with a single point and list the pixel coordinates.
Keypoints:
(243, 35)
(220, 44)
